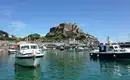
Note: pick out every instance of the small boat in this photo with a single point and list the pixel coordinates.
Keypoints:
(86, 48)
(51, 46)
(44, 47)
(79, 48)
(71, 49)
(12, 50)
(61, 48)
(28, 55)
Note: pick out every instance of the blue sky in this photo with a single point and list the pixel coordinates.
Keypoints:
(100, 18)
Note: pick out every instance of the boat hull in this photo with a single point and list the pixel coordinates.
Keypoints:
(12, 51)
(30, 61)
(109, 55)
(79, 50)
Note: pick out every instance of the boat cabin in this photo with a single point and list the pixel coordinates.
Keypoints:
(24, 47)
(28, 48)
(106, 48)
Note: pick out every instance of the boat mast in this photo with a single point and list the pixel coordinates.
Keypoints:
(108, 40)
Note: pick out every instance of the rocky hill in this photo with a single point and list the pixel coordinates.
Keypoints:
(3, 34)
(69, 30)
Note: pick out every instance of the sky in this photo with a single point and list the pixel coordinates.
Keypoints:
(100, 18)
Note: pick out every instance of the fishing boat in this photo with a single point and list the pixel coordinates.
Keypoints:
(110, 51)
(28, 55)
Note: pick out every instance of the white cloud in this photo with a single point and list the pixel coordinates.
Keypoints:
(7, 12)
(17, 25)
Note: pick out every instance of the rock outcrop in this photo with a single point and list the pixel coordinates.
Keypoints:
(65, 31)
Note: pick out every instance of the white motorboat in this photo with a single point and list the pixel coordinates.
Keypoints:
(28, 55)
(62, 48)
(79, 48)
(12, 50)
(44, 47)
(71, 49)
(86, 48)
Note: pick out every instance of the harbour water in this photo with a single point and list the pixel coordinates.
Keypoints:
(63, 65)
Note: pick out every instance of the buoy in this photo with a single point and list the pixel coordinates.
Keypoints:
(98, 55)
(32, 54)
(91, 54)
(114, 55)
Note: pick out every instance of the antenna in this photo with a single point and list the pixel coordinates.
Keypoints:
(117, 39)
(129, 36)
(108, 39)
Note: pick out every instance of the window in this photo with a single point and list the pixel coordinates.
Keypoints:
(33, 47)
(24, 47)
(111, 47)
(115, 47)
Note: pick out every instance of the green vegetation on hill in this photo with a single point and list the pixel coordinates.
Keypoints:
(34, 36)
(66, 31)
(63, 31)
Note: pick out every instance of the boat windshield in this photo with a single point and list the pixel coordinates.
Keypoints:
(24, 47)
(117, 47)
(33, 47)
(110, 48)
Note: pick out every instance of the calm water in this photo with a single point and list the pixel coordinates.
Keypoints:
(62, 65)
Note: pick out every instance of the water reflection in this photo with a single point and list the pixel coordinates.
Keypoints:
(11, 58)
(114, 68)
(24, 73)
(64, 66)
(3, 55)
(3, 58)
(68, 59)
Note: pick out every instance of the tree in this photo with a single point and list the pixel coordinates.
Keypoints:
(34, 36)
